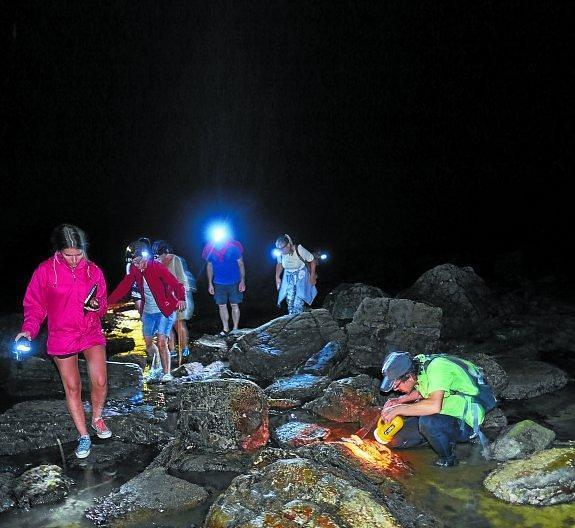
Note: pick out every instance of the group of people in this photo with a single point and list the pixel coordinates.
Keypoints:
(70, 292)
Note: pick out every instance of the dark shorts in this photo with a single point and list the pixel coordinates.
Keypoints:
(224, 293)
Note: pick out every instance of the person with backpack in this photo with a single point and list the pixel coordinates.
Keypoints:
(163, 252)
(444, 401)
(295, 275)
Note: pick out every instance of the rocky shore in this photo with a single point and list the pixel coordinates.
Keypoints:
(270, 412)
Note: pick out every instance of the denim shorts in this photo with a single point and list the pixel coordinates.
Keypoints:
(228, 292)
(157, 323)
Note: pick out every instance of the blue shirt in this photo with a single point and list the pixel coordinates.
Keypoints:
(225, 265)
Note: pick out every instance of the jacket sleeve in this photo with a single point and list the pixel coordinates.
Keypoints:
(176, 285)
(35, 304)
(102, 294)
(122, 289)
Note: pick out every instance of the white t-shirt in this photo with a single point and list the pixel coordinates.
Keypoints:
(291, 262)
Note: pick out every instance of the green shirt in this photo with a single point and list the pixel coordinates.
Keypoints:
(442, 374)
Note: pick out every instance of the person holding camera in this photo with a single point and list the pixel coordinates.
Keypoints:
(70, 292)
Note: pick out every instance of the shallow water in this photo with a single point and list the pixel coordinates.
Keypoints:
(456, 495)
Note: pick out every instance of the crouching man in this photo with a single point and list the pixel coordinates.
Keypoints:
(439, 402)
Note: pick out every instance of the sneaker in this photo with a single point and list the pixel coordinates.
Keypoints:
(84, 445)
(167, 377)
(185, 352)
(100, 427)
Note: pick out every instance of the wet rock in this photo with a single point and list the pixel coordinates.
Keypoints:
(32, 425)
(529, 378)
(302, 386)
(494, 422)
(118, 344)
(197, 371)
(140, 428)
(297, 434)
(38, 378)
(141, 499)
(345, 299)
(291, 493)
(207, 349)
(283, 403)
(194, 465)
(41, 485)
(223, 415)
(106, 455)
(382, 325)
(280, 346)
(323, 361)
(346, 400)
(545, 478)
(521, 440)
(462, 295)
(7, 482)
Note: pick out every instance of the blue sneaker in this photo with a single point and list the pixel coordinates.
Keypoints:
(185, 352)
(84, 445)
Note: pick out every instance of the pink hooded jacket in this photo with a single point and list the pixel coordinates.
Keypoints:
(58, 292)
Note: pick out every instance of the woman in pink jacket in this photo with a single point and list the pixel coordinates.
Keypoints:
(60, 291)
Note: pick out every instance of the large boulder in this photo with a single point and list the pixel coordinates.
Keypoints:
(545, 478)
(222, 415)
(207, 349)
(462, 295)
(530, 378)
(297, 434)
(382, 325)
(521, 440)
(280, 346)
(35, 377)
(322, 362)
(303, 387)
(345, 299)
(147, 499)
(41, 485)
(36, 424)
(346, 400)
(292, 493)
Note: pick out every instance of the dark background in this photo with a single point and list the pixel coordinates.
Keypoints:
(396, 135)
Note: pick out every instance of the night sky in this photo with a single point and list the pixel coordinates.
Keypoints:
(396, 135)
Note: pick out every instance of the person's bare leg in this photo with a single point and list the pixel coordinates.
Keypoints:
(164, 353)
(182, 331)
(96, 361)
(68, 368)
(172, 341)
(224, 316)
(236, 315)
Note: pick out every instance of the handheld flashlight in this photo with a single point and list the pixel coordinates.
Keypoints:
(22, 347)
(276, 253)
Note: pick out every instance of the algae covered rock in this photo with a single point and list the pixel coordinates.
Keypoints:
(545, 478)
(522, 440)
(45, 484)
(294, 493)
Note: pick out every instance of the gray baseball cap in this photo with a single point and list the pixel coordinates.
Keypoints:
(395, 365)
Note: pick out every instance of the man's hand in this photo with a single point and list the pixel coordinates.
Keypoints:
(391, 402)
(211, 289)
(278, 283)
(242, 286)
(390, 413)
(181, 306)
